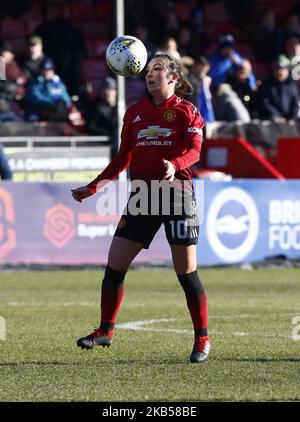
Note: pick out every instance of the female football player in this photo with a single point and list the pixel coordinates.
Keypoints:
(161, 139)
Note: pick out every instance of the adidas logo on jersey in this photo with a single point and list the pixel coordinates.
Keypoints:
(137, 119)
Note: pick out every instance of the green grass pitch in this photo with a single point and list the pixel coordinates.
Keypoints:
(253, 355)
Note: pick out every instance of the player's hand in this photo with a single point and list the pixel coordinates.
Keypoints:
(169, 171)
(81, 193)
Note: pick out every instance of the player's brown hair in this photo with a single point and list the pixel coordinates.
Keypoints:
(183, 86)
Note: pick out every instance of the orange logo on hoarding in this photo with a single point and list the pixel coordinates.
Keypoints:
(59, 225)
(8, 238)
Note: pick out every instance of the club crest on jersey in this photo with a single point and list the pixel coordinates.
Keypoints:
(153, 132)
(169, 115)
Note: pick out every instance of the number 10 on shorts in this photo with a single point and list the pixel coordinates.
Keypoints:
(181, 230)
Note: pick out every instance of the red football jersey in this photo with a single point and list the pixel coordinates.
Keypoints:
(171, 131)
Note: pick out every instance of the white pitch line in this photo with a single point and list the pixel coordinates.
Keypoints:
(140, 326)
(55, 304)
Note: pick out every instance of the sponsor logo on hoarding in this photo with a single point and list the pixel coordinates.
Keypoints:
(59, 226)
(7, 218)
(284, 219)
(232, 224)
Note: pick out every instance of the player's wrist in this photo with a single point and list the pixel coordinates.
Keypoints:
(174, 164)
(92, 188)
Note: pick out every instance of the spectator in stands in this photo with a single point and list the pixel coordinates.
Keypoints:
(63, 43)
(278, 97)
(200, 37)
(201, 82)
(292, 47)
(292, 26)
(102, 114)
(172, 24)
(266, 37)
(101, 118)
(185, 42)
(5, 170)
(224, 61)
(31, 64)
(12, 89)
(141, 33)
(169, 46)
(292, 52)
(227, 105)
(46, 96)
(243, 85)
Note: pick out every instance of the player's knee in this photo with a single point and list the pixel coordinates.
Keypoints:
(113, 278)
(191, 283)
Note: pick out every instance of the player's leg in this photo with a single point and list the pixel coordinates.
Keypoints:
(182, 228)
(185, 265)
(121, 254)
(133, 234)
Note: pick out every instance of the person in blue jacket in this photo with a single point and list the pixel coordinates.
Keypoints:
(46, 95)
(224, 61)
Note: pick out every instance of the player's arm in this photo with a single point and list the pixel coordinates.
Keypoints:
(193, 141)
(120, 162)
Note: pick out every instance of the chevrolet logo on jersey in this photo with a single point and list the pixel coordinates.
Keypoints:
(153, 132)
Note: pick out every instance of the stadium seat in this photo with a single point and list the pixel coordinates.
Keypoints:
(32, 24)
(245, 50)
(36, 10)
(215, 29)
(93, 88)
(93, 69)
(94, 29)
(135, 90)
(216, 12)
(104, 9)
(82, 10)
(19, 46)
(183, 10)
(260, 69)
(97, 48)
(12, 29)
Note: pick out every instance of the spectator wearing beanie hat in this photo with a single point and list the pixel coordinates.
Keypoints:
(31, 63)
(46, 96)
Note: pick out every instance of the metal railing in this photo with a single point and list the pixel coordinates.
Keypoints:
(73, 142)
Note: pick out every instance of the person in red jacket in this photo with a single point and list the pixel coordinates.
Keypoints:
(161, 138)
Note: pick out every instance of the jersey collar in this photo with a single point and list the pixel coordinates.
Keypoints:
(168, 102)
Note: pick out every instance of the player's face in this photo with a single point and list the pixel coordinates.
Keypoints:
(158, 79)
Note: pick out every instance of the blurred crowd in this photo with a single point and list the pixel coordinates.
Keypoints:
(241, 58)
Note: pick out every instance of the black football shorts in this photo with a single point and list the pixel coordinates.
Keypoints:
(180, 221)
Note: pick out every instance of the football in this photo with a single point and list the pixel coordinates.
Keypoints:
(126, 55)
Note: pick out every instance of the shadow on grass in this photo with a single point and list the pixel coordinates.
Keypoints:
(183, 361)
(263, 360)
(58, 363)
